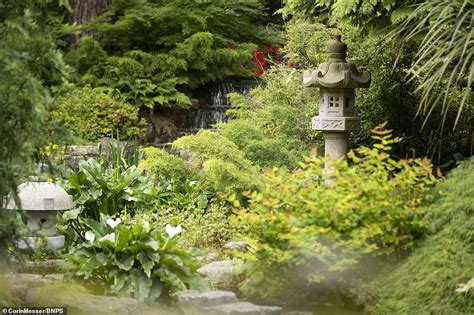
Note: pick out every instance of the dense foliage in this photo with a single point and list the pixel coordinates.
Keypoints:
(435, 36)
(133, 259)
(390, 97)
(309, 225)
(165, 166)
(151, 52)
(99, 187)
(91, 115)
(433, 280)
(273, 127)
(222, 166)
(29, 65)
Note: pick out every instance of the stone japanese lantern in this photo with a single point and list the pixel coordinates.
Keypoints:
(337, 80)
(41, 201)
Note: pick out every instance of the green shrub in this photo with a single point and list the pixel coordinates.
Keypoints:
(304, 230)
(92, 115)
(165, 166)
(208, 230)
(273, 127)
(431, 280)
(221, 165)
(133, 260)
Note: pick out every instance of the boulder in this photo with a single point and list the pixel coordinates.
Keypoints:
(221, 274)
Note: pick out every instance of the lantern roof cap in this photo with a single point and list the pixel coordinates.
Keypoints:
(41, 196)
(337, 72)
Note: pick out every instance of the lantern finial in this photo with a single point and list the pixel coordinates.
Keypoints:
(337, 50)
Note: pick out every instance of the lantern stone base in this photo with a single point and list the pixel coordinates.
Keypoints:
(323, 123)
(50, 242)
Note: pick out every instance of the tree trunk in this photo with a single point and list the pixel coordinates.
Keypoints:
(84, 11)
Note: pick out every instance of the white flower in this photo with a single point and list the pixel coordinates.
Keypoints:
(192, 183)
(108, 237)
(128, 191)
(113, 223)
(172, 231)
(146, 225)
(90, 236)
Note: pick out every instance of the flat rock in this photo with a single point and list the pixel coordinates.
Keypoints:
(243, 308)
(21, 282)
(85, 303)
(193, 302)
(204, 299)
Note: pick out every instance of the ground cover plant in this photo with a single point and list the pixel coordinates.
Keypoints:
(435, 278)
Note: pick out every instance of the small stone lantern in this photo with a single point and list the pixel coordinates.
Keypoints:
(337, 80)
(41, 201)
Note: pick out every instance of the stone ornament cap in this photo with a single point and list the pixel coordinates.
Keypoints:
(41, 196)
(337, 72)
(337, 50)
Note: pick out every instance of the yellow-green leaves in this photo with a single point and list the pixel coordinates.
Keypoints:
(373, 205)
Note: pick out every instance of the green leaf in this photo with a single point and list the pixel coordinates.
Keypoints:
(156, 290)
(125, 263)
(72, 214)
(147, 263)
(141, 284)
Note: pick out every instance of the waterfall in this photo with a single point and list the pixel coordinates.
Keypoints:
(213, 105)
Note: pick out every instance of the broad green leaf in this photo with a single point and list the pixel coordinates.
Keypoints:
(126, 262)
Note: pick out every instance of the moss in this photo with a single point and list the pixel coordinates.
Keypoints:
(426, 282)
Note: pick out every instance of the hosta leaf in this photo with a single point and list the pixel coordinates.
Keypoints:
(123, 236)
(119, 282)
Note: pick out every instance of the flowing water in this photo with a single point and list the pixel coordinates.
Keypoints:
(213, 103)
